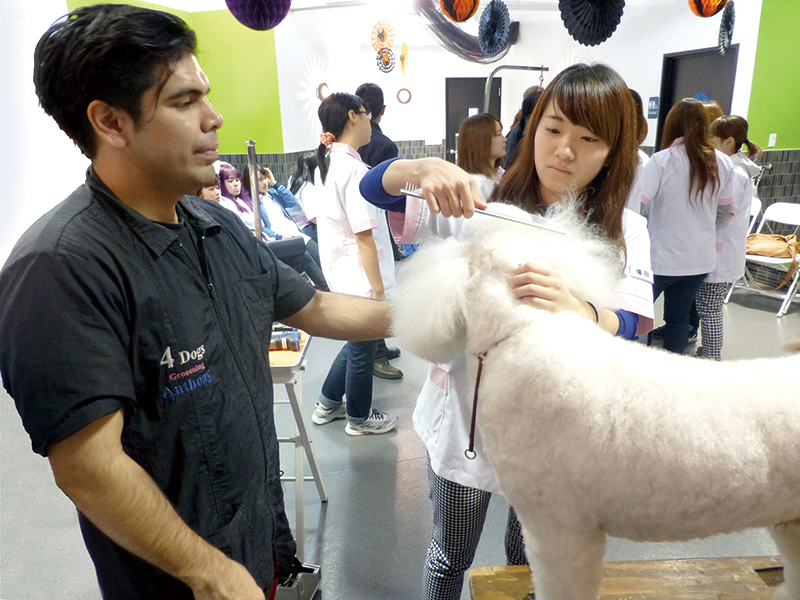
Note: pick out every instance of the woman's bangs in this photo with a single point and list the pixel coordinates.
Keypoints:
(588, 107)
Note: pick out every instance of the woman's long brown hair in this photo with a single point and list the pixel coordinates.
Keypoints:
(475, 144)
(595, 97)
(689, 119)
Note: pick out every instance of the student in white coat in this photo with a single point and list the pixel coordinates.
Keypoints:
(581, 139)
(686, 187)
(357, 259)
(728, 135)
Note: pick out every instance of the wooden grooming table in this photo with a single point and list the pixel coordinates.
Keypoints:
(684, 579)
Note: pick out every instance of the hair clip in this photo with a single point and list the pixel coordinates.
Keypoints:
(326, 139)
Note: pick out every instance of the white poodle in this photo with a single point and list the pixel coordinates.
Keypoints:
(591, 435)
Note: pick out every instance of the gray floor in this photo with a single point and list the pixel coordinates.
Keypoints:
(371, 536)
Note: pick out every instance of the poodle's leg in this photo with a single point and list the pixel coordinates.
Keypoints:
(565, 564)
(787, 538)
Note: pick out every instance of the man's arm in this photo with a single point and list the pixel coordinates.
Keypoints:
(342, 317)
(123, 501)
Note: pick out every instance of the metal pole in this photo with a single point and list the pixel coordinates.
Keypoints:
(488, 87)
(254, 196)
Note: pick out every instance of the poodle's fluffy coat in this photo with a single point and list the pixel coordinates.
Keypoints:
(592, 435)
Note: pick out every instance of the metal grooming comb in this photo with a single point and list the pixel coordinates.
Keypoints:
(415, 192)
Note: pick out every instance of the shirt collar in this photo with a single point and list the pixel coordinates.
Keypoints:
(346, 149)
(156, 237)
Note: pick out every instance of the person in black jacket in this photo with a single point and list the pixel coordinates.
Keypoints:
(379, 149)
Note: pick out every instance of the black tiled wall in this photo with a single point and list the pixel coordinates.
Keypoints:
(283, 165)
(782, 183)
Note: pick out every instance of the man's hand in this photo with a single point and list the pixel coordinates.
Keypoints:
(230, 581)
(123, 501)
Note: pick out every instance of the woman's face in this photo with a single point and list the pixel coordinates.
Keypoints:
(727, 146)
(262, 183)
(566, 156)
(211, 192)
(363, 126)
(498, 147)
(234, 186)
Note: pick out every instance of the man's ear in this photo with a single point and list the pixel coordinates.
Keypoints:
(112, 125)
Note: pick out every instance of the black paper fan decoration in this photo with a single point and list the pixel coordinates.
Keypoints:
(260, 15)
(494, 27)
(726, 28)
(591, 22)
(385, 60)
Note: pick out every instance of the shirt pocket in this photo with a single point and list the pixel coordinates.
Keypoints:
(258, 300)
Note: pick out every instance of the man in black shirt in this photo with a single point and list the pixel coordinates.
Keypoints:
(136, 321)
(379, 149)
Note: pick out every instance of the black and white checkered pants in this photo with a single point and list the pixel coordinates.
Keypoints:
(458, 516)
(709, 307)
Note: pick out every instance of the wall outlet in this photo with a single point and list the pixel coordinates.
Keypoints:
(773, 139)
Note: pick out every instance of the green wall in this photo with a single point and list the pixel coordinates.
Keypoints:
(775, 98)
(242, 68)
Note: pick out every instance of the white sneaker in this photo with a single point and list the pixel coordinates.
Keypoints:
(377, 422)
(324, 415)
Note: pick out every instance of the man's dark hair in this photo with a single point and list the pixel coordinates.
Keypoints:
(372, 96)
(108, 52)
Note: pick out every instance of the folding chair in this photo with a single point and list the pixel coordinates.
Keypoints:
(787, 214)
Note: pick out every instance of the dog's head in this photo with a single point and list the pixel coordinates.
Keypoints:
(453, 286)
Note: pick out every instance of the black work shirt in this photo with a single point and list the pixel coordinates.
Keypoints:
(104, 309)
(379, 148)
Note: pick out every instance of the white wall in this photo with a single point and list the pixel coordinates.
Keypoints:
(41, 165)
(333, 45)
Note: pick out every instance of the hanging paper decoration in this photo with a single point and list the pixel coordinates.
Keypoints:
(707, 8)
(382, 36)
(403, 96)
(726, 28)
(404, 59)
(260, 15)
(591, 22)
(385, 60)
(453, 39)
(494, 26)
(459, 10)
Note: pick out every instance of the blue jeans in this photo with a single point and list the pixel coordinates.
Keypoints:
(351, 375)
(679, 292)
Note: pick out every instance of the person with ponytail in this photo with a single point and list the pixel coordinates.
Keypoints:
(728, 135)
(580, 145)
(356, 255)
(686, 190)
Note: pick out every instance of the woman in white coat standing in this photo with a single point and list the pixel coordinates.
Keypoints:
(728, 135)
(686, 187)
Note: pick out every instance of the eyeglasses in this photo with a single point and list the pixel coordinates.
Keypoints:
(366, 112)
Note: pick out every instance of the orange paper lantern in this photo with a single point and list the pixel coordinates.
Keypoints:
(707, 8)
(459, 10)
